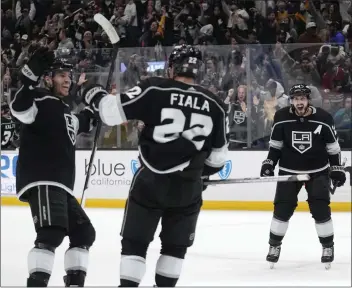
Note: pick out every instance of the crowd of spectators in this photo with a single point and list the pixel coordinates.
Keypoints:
(253, 52)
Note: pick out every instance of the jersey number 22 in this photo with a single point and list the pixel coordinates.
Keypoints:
(200, 125)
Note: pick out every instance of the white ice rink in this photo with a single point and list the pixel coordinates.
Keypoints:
(229, 249)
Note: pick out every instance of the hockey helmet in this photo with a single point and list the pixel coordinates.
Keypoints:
(298, 90)
(60, 64)
(185, 60)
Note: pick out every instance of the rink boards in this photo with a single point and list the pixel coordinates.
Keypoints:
(113, 171)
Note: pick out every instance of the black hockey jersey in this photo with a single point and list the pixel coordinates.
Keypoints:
(8, 128)
(47, 140)
(304, 144)
(186, 126)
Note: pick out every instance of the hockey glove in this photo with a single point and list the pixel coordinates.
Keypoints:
(93, 94)
(40, 61)
(337, 175)
(267, 168)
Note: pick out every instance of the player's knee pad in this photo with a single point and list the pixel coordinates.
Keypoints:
(50, 237)
(83, 235)
(284, 210)
(173, 250)
(320, 209)
(131, 247)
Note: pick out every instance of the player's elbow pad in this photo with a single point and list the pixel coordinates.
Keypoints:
(23, 107)
(216, 160)
(110, 110)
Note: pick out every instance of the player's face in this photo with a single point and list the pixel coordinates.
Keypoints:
(301, 104)
(62, 81)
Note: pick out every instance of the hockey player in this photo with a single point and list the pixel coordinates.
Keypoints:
(303, 140)
(46, 169)
(185, 137)
(8, 127)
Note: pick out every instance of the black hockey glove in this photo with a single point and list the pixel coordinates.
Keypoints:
(40, 61)
(337, 175)
(267, 168)
(93, 94)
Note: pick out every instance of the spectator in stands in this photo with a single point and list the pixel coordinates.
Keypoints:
(24, 17)
(342, 117)
(65, 43)
(271, 29)
(133, 32)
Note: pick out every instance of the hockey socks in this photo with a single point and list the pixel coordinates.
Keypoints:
(278, 229)
(168, 270)
(76, 264)
(132, 270)
(40, 266)
(325, 231)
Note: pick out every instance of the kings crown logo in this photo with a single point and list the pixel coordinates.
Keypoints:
(225, 172)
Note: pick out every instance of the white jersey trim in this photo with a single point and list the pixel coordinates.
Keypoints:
(110, 110)
(277, 123)
(43, 183)
(171, 170)
(303, 171)
(217, 157)
(333, 148)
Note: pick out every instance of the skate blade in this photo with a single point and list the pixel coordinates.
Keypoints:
(271, 265)
(327, 266)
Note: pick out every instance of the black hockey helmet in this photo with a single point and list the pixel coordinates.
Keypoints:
(60, 64)
(300, 89)
(186, 61)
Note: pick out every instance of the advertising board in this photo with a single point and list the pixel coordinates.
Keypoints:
(112, 174)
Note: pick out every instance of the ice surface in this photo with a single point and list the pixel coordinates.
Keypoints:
(229, 250)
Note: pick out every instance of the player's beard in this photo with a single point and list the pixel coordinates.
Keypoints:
(301, 109)
(62, 90)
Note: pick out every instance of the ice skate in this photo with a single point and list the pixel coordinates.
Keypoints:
(273, 255)
(328, 256)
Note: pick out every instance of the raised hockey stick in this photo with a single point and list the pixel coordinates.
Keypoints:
(333, 189)
(114, 39)
(288, 178)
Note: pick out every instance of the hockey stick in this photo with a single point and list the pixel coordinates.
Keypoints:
(333, 189)
(114, 39)
(289, 178)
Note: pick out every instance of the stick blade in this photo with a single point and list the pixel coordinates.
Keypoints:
(107, 27)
